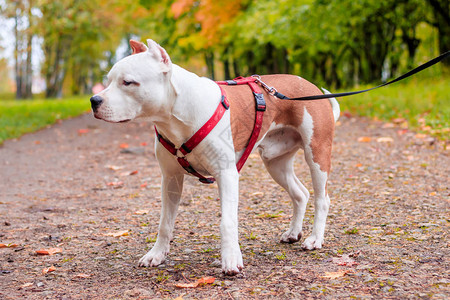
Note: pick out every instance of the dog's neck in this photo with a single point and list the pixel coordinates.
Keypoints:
(189, 105)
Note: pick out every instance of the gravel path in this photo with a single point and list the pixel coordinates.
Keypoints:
(75, 185)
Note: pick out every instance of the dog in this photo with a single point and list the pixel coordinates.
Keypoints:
(178, 103)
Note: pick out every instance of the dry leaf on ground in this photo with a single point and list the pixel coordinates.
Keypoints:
(25, 285)
(334, 275)
(344, 260)
(82, 275)
(8, 245)
(49, 251)
(385, 139)
(364, 139)
(118, 233)
(48, 270)
(199, 282)
(114, 168)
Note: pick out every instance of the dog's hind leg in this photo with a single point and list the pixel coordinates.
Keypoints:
(281, 169)
(317, 146)
(277, 151)
(172, 187)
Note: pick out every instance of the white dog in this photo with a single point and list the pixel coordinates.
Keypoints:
(179, 103)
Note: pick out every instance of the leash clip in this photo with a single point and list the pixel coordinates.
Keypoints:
(270, 89)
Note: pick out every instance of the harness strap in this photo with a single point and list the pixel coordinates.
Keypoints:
(188, 146)
(260, 104)
(223, 106)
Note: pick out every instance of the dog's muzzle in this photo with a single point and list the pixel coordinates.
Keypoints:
(96, 101)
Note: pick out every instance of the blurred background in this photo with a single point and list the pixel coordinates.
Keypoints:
(62, 48)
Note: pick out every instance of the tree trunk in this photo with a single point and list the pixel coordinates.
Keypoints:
(441, 10)
(17, 57)
(209, 59)
(29, 70)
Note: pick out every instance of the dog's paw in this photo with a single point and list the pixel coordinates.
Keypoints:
(232, 263)
(291, 236)
(312, 242)
(153, 258)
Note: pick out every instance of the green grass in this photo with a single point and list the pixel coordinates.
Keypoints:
(20, 117)
(423, 103)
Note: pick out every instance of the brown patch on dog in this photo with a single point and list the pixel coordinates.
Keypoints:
(286, 112)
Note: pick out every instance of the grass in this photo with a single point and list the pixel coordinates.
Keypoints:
(423, 103)
(20, 117)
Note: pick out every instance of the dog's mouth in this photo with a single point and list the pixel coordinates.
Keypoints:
(121, 121)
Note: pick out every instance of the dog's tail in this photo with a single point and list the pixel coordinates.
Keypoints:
(334, 106)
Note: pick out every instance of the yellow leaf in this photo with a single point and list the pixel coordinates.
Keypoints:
(119, 233)
(201, 281)
(364, 139)
(385, 139)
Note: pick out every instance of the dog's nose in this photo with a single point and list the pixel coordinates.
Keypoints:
(96, 101)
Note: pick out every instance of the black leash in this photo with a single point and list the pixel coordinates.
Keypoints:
(326, 96)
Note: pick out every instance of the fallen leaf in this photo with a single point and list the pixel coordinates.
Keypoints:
(11, 245)
(141, 212)
(257, 194)
(115, 184)
(124, 146)
(364, 139)
(420, 136)
(344, 260)
(49, 251)
(359, 165)
(25, 285)
(48, 270)
(179, 297)
(144, 185)
(402, 131)
(82, 275)
(199, 282)
(129, 173)
(83, 131)
(144, 144)
(398, 120)
(385, 139)
(119, 233)
(114, 168)
(334, 275)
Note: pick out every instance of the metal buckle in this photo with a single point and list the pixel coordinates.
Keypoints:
(271, 90)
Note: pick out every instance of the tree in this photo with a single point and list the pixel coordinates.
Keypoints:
(20, 11)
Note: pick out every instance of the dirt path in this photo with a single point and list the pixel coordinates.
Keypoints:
(67, 187)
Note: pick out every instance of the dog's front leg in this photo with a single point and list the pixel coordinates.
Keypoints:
(228, 182)
(172, 187)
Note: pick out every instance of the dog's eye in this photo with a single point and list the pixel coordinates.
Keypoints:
(127, 83)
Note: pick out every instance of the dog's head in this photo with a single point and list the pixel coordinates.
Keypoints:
(138, 85)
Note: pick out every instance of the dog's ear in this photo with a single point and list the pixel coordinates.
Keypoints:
(159, 52)
(137, 47)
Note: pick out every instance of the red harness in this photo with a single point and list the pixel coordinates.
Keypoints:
(223, 106)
